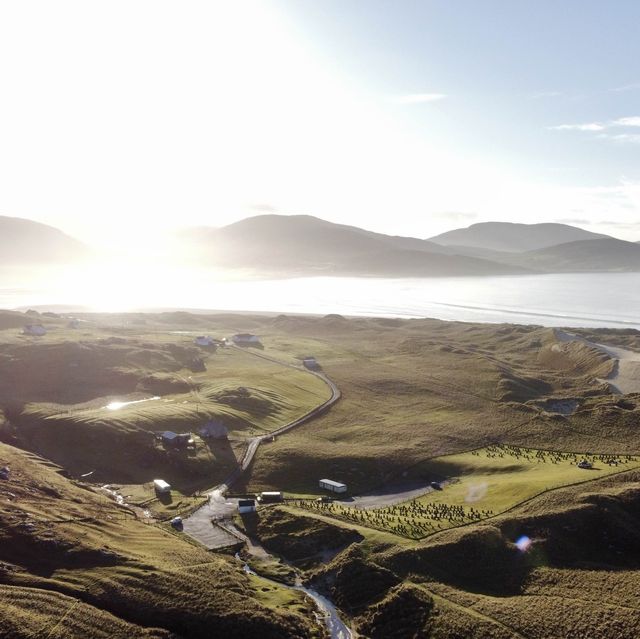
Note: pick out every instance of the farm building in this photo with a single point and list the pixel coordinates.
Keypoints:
(161, 486)
(34, 329)
(270, 497)
(246, 506)
(204, 340)
(311, 363)
(245, 338)
(333, 486)
(214, 429)
(176, 440)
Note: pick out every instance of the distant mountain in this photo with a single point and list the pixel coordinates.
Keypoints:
(302, 244)
(507, 236)
(25, 241)
(606, 254)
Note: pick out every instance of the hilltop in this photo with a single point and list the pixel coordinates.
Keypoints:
(512, 237)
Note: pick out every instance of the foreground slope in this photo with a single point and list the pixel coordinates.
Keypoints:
(74, 564)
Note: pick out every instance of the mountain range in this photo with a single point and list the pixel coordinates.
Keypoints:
(304, 245)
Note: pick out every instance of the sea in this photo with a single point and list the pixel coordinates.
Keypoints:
(569, 299)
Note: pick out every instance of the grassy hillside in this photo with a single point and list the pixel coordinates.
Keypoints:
(72, 559)
(423, 388)
(91, 427)
(475, 486)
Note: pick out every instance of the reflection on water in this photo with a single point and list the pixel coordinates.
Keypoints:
(119, 405)
(571, 299)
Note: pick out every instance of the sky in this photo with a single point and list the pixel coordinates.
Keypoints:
(122, 119)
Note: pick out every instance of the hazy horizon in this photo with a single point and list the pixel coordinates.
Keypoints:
(409, 118)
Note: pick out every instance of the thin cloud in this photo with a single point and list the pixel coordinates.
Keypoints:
(264, 208)
(456, 216)
(632, 121)
(589, 126)
(602, 127)
(627, 87)
(573, 220)
(633, 138)
(545, 94)
(417, 98)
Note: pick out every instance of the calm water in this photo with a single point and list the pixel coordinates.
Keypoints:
(600, 299)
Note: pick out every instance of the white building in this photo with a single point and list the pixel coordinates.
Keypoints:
(333, 486)
(161, 486)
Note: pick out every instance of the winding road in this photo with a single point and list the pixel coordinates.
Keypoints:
(199, 525)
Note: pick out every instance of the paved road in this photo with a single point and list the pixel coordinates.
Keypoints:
(198, 525)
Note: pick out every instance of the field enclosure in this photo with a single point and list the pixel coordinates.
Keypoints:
(477, 485)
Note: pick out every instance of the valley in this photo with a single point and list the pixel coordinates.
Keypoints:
(491, 420)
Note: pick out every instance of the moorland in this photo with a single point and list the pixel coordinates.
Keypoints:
(497, 417)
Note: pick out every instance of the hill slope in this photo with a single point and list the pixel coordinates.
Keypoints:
(507, 236)
(25, 241)
(74, 564)
(302, 244)
(606, 254)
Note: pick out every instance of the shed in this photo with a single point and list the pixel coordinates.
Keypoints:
(311, 363)
(246, 506)
(245, 338)
(204, 340)
(34, 329)
(214, 429)
(161, 486)
(177, 440)
(333, 486)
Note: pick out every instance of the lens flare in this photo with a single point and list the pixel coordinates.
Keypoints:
(523, 543)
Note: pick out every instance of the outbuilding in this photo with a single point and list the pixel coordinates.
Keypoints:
(246, 506)
(204, 340)
(161, 486)
(333, 486)
(311, 363)
(245, 338)
(176, 440)
(34, 329)
(214, 429)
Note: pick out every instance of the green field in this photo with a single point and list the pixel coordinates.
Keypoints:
(477, 485)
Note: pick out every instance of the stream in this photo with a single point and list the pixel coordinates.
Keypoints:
(328, 613)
